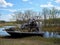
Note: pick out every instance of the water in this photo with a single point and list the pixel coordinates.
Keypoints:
(3, 33)
(46, 34)
(51, 34)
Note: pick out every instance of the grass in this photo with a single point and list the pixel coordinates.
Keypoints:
(6, 24)
(51, 28)
(33, 40)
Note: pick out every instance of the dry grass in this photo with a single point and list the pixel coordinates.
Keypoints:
(52, 28)
(34, 40)
(6, 24)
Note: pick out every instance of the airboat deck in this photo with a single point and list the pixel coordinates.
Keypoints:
(23, 34)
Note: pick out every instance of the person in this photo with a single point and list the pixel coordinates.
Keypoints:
(33, 24)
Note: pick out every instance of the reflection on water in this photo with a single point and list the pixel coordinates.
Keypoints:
(46, 34)
(51, 34)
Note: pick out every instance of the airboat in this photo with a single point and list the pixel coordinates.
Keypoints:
(31, 31)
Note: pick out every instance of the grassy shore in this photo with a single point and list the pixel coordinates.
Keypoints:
(33, 40)
(7, 24)
(51, 28)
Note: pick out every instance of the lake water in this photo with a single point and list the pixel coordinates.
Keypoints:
(51, 34)
(46, 34)
(3, 33)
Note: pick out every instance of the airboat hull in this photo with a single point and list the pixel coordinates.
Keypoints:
(24, 34)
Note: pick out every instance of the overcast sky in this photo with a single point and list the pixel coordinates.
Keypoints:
(7, 7)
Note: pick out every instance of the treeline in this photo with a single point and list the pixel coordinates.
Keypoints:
(2, 21)
(53, 22)
(50, 17)
(46, 13)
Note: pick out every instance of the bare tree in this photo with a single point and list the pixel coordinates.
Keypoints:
(45, 13)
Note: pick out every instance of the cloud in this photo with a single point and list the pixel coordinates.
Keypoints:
(57, 1)
(47, 5)
(24, 0)
(30, 3)
(27, 8)
(15, 10)
(27, 1)
(50, 5)
(3, 3)
(4, 17)
(57, 7)
(10, 10)
(10, 17)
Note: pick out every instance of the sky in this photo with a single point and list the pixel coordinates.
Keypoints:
(7, 7)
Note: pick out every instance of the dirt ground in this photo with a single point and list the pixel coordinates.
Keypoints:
(26, 41)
